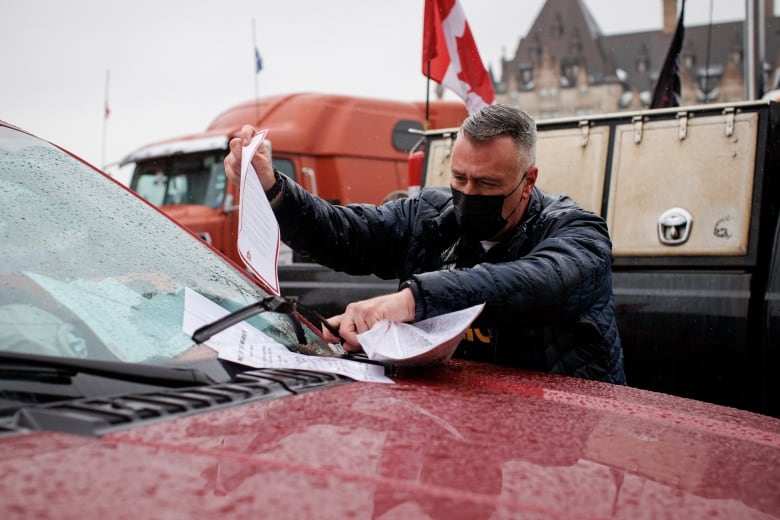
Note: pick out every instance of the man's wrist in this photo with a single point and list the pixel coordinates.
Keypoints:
(411, 284)
(272, 192)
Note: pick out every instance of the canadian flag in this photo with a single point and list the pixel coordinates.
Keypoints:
(450, 55)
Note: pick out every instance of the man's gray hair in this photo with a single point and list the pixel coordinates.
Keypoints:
(496, 120)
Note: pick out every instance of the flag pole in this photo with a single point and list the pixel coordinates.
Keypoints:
(105, 123)
(427, 96)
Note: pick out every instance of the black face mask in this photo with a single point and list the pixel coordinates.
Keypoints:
(479, 216)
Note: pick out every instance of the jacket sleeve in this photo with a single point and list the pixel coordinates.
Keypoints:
(565, 273)
(357, 239)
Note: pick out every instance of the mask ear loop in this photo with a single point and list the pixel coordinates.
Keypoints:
(510, 194)
(518, 185)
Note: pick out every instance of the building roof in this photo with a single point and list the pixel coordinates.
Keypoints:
(567, 32)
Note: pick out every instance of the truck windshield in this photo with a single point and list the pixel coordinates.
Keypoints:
(197, 179)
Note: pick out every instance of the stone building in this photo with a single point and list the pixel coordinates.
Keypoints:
(565, 67)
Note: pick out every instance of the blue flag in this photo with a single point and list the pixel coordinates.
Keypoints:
(258, 61)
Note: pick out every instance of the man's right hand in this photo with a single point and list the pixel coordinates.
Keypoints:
(361, 316)
(261, 159)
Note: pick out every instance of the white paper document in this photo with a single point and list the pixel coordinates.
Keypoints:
(258, 231)
(427, 342)
(132, 327)
(245, 344)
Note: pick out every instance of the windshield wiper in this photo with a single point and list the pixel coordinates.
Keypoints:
(296, 311)
(18, 365)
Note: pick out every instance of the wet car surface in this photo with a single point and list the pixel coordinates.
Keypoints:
(463, 440)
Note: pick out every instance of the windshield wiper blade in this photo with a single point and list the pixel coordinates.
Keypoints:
(26, 372)
(135, 372)
(270, 303)
(294, 310)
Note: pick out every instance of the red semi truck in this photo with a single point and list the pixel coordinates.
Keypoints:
(345, 149)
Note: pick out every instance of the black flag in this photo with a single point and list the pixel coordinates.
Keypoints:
(667, 89)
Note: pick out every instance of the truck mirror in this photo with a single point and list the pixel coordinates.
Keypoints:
(228, 206)
(415, 168)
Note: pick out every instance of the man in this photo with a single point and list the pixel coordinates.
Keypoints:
(541, 264)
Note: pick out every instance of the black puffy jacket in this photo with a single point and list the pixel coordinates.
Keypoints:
(547, 287)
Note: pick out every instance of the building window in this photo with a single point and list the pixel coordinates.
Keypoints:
(570, 68)
(689, 55)
(535, 51)
(575, 45)
(735, 51)
(707, 81)
(525, 77)
(643, 60)
(689, 60)
(556, 30)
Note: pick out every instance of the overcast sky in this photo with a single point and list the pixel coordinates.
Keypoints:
(175, 64)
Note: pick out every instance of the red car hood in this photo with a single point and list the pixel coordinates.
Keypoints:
(459, 441)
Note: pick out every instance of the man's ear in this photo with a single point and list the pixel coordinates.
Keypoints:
(530, 180)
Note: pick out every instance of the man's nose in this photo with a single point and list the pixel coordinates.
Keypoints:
(470, 188)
